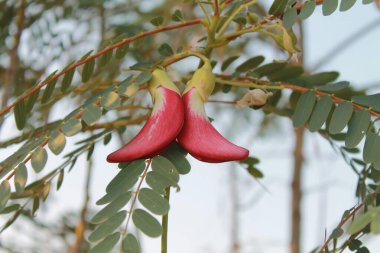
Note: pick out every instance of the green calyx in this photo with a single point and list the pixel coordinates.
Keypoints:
(161, 78)
(203, 80)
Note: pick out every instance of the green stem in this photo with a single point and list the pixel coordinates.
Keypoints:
(165, 220)
(177, 57)
(232, 16)
(204, 11)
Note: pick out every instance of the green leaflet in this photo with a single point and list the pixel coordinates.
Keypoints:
(20, 115)
(157, 21)
(228, 62)
(165, 50)
(109, 226)
(21, 177)
(88, 70)
(130, 244)
(346, 5)
(340, 117)
(112, 208)
(126, 178)
(363, 220)
(250, 64)
(153, 201)
(357, 128)
(304, 108)
(307, 9)
(146, 223)
(143, 77)
(290, 17)
(48, 91)
(158, 182)
(278, 7)
(5, 193)
(164, 167)
(72, 127)
(269, 68)
(57, 142)
(39, 159)
(177, 156)
(107, 244)
(329, 7)
(32, 101)
(67, 80)
(91, 114)
(320, 113)
(111, 100)
(371, 147)
(334, 87)
(122, 51)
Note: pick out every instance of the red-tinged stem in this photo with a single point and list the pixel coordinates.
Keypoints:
(100, 53)
(256, 83)
(130, 211)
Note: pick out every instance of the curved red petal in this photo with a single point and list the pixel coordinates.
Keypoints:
(161, 128)
(201, 139)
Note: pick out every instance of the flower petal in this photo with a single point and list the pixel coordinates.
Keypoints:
(200, 138)
(161, 128)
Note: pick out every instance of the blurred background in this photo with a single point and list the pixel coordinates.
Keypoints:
(220, 207)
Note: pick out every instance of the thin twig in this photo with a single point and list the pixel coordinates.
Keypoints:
(130, 211)
(254, 82)
(100, 53)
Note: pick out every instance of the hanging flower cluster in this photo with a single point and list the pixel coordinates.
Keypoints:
(182, 119)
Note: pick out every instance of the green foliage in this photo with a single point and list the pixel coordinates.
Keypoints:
(130, 244)
(320, 113)
(340, 117)
(278, 7)
(363, 220)
(107, 244)
(290, 17)
(307, 10)
(112, 208)
(250, 64)
(21, 176)
(118, 194)
(157, 21)
(39, 159)
(153, 201)
(228, 62)
(329, 6)
(165, 50)
(146, 223)
(357, 128)
(108, 227)
(319, 102)
(304, 108)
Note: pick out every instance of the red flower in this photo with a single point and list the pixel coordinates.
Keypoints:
(161, 128)
(184, 119)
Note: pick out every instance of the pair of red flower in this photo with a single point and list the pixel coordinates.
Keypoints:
(180, 118)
